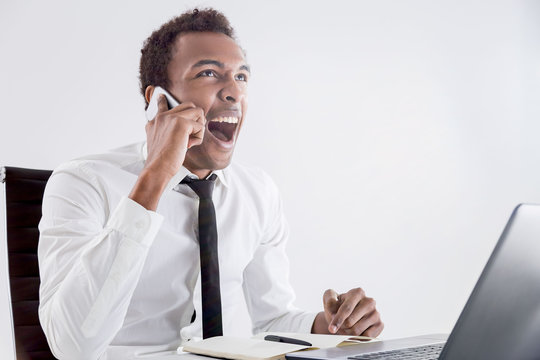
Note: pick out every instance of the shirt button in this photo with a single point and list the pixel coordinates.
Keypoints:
(139, 224)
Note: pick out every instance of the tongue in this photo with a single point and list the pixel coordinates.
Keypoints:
(221, 136)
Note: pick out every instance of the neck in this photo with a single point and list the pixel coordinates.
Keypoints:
(201, 173)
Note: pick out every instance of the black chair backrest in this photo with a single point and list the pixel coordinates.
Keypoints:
(24, 195)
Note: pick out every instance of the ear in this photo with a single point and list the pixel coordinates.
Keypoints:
(148, 93)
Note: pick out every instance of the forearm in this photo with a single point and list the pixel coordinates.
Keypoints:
(87, 283)
(88, 308)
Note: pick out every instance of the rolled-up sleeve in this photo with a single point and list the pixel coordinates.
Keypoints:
(90, 260)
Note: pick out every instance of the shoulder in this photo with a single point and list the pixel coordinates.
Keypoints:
(129, 158)
(98, 172)
(251, 178)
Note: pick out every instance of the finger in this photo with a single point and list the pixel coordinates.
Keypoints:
(198, 130)
(191, 113)
(196, 136)
(198, 115)
(183, 107)
(202, 118)
(162, 104)
(366, 305)
(366, 322)
(350, 300)
(331, 302)
(374, 330)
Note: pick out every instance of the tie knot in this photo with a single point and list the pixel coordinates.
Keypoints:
(202, 187)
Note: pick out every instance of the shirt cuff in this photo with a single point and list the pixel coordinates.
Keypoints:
(135, 221)
(306, 324)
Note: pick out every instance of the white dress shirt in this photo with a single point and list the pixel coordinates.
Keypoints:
(114, 273)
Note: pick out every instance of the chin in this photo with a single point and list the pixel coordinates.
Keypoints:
(219, 165)
(199, 160)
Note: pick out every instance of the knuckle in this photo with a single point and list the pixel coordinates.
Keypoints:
(339, 320)
(375, 330)
(358, 329)
(354, 332)
(348, 323)
(328, 296)
(160, 116)
(371, 332)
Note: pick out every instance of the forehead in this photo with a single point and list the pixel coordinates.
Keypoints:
(194, 46)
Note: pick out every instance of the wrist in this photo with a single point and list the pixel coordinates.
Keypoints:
(149, 187)
(320, 325)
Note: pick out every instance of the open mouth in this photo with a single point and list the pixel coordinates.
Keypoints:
(223, 127)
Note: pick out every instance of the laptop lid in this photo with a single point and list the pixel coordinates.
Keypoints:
(501, 319)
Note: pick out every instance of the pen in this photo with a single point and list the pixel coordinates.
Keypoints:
(287, 340)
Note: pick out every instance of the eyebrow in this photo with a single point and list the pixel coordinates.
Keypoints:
(218, 64)
(246, 68)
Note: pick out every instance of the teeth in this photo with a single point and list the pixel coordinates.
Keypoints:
(227, 119)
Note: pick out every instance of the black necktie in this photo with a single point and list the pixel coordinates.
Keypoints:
(211, 298)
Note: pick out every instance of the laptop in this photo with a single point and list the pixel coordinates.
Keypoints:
(501, 319)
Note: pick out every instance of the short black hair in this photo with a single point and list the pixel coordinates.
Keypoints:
(157, 49)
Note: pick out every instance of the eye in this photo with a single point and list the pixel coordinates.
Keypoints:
(242, 77)
(207, 73)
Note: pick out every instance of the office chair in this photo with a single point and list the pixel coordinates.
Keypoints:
(24, 194)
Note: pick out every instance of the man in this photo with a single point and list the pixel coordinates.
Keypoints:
(119, 247)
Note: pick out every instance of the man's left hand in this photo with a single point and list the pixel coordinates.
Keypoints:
(351, 313)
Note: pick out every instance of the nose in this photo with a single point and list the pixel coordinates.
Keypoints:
(232, 92)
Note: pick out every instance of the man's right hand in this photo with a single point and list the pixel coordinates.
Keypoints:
(169, 135)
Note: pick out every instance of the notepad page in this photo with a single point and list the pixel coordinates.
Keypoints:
(230, 347)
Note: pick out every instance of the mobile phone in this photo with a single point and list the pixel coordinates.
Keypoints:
(152, 108)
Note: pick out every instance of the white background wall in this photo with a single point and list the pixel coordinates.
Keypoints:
(401, 134)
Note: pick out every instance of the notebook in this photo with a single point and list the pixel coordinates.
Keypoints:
(259, 348)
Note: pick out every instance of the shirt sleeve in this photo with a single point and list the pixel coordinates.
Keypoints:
(268, 292)
(90, 260)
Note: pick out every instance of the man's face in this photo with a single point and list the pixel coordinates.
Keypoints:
(210, 70)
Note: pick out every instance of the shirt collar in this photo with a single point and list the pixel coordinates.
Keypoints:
(221, 174)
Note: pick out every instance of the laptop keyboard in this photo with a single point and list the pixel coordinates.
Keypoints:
(427, 352)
